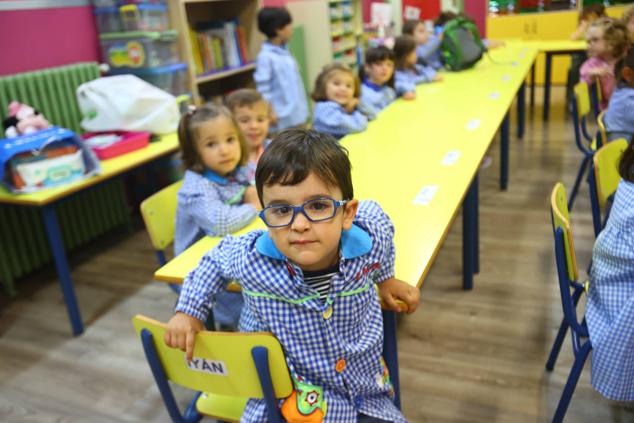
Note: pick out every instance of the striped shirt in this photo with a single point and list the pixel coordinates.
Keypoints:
(320, 280)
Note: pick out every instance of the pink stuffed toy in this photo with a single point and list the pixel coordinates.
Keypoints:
(23, 119)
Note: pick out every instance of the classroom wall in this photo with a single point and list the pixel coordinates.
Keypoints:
(33, 39)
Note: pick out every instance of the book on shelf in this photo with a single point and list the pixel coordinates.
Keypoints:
(218, 45)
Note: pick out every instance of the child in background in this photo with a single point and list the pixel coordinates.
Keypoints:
(336, 97)
(427, 44)
(408, 73)
(377, 79)
(253, 115)
(310, 280)
(607, 43)
(588, 15)
(276, 73)
(619, 118)
(628, 21)
(216, 197)
(610, 302)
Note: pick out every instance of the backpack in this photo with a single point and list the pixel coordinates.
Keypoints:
(461, 45)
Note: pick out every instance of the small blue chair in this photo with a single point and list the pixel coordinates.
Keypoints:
(570, 291)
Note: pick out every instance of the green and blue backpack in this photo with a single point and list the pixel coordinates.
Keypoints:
(461, 46)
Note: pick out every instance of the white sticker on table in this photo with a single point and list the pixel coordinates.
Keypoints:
(425, 195)
(472, 125)
(522, 55)
(494, 95)
(506, 78)
(451, 158)
(515, 63)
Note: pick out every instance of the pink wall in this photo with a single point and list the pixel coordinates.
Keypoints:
(477, 9)
(40, 38)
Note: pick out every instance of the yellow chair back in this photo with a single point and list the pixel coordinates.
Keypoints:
(602, 131)
(561, 219)
(159, 215)
(606, 168)
(582, 97)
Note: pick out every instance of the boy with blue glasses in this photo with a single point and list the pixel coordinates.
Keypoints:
(310, 281)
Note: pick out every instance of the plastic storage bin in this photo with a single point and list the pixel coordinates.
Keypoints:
(139, 49)
(144, 17)
(108, 19)
(170, 78)
(127, 141)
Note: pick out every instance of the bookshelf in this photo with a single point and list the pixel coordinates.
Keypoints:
(211, 76)
(332, 28)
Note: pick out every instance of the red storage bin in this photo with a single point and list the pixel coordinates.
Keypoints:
(129, 141)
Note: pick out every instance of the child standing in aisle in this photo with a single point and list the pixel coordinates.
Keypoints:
(607, 44)
(253, 115)
(337, 110)
(216, 197)
(276, 73)
(409, 73)
(377, 79)
(427, 44)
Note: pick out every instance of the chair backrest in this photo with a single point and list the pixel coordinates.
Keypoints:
(606, 169)
(582, 99)
(561, 219)
(52, 91)
(222, 362)
(603, 133)
(159, 215)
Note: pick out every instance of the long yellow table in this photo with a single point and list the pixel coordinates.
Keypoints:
(418, 160)
(48, 199)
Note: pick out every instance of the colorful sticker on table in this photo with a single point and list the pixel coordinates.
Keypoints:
(494, 95)
(451, 158)
(425, 195)
(473, 124)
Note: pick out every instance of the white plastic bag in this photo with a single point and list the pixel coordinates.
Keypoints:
(126, 102)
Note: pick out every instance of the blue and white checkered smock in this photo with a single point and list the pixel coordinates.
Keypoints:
(610, 304)
(331, 118)
(375, 98)
(314, 342)
(405, 80)
(212, 205)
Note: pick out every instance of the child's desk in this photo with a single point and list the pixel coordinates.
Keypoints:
(48, 199)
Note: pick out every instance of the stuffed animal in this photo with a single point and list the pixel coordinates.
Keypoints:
(23, 119)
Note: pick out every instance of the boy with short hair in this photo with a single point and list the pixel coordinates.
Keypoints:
(310, 281)
(276, 72)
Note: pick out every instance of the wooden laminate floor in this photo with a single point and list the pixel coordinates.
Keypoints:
(465, 356)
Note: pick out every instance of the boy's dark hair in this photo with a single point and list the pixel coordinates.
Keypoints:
(244, 97)
(445, 17)
(272, 19)
(189, 123)
(592, 9)
(409, 26)
(376, 55)
(404, 45)
(626, 164)
(319, 93)
(294, 153)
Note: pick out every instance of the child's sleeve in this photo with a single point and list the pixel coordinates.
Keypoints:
(214, 271)
(584, 71)
(403, 83)
(378, 224)
(263, 77)
(330, 119)
(425, 74)
(366, 105)
(212, 215)
(424, 51)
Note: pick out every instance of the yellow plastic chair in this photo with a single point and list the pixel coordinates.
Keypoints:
(227, 370)
(159, 215)
(604, 180)
(603, 133)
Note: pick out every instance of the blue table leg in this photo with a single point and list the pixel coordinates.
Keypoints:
(547, 75)
(532, 86)
(504, 153)
(521, 112)
(469, 216)
(390, 353)
(63, 273)
(476, 225)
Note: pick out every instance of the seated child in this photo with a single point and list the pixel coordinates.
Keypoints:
(336, 97)
(610, 302)
(276, 72)
(607, 43)
(216, 197)
(588, 15)
(427, 44)
(619, 117)
(252, 113)
(409, 73)
(377, 79)
(306, 280)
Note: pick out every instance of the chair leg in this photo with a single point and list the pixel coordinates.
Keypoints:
(571, 383)
(582, 171)
(559, 340)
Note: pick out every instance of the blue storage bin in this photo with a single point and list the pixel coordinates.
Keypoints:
(170, 78)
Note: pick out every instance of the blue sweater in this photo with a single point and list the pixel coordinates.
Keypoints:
(331, 118)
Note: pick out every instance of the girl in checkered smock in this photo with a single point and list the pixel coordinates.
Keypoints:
(610, 304)
(409, 73)
(337, 110)
(216, 197)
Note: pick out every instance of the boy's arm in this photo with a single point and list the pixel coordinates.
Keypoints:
(331, 119)
(424, 51)
(263, 77)
(425, 73)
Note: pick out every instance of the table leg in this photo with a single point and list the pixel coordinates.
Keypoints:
(469, 225)
(547, 75)
(533, 86)
(56, 243)
(504, 153)
(390, 353)
(521, 110)
(476, 224)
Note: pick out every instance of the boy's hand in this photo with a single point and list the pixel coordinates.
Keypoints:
(437, 78)
(181, 331)
(352, 104)
(410, 95)
(251, 197)
(394, 289)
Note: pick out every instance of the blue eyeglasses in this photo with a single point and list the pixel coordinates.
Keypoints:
(316, 210)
